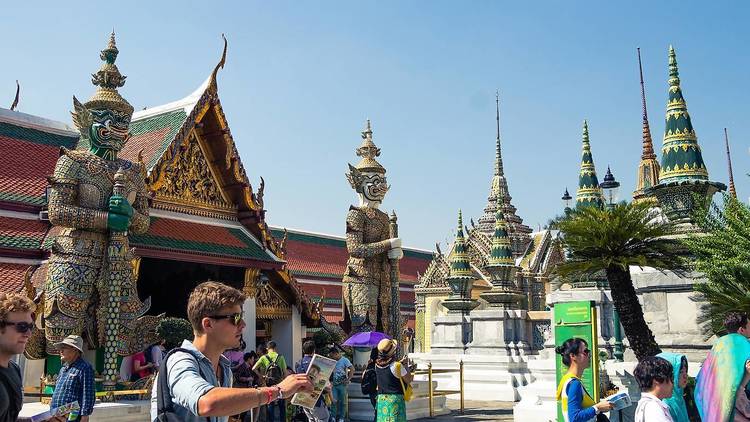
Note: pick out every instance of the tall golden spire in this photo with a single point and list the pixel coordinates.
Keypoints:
(648, 168)
(732, 190)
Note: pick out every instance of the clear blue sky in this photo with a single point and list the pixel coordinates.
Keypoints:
(302, 77)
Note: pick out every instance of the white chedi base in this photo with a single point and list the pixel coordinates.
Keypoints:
(360, 408)
(538, 401)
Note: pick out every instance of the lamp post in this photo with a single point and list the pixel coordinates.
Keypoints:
(567, 201)
(609, 188)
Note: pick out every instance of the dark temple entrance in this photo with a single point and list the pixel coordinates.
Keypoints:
(169, 283)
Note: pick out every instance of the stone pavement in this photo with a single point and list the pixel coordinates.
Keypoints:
(477, 411)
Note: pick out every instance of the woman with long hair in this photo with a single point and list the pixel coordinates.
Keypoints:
(577, 404)
(393, 378)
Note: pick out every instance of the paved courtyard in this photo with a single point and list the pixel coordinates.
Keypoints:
(477, 411)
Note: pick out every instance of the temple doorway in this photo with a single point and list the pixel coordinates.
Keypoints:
(169, 283)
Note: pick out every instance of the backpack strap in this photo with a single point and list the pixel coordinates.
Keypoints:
(164, 401)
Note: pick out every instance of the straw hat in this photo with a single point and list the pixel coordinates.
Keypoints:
(387, 347)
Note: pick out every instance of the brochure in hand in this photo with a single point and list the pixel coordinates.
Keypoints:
(318, 372)
(619, 400)
(58, 411)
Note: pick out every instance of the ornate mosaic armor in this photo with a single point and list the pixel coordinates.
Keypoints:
(78, 273)
(370, 283)
(366, 284)
(95, 200)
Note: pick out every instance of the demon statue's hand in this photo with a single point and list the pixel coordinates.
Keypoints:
(120, 213)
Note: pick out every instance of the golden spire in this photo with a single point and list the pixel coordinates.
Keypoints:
(648, 168)
(732, 190)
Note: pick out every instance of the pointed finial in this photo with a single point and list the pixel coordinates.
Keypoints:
(643, 89)
(460, 232)
(498, 152)
(674, 74)
(732, 190)
(15, 99)
(222, 61)
(585, 131)
(367, 133)
(460, 266)
(107, 79)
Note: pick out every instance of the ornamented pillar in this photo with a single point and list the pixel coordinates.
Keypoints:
(249, 307)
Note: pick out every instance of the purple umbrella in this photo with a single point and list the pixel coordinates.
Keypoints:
(365, 339)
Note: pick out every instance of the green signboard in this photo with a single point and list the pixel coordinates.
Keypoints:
(577, 319)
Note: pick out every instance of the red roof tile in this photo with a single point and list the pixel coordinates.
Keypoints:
(151, 143)
(11, 277)
(305, 258)
(203, 239)
(25, 168)
(17, 233)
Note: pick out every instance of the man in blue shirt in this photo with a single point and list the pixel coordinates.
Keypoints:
(200, 381)
(342, 376)
(75, 382)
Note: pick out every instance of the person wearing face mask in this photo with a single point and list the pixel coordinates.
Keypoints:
(577, 404)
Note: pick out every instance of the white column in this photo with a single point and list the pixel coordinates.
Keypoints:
(298, 333)
(248, 334)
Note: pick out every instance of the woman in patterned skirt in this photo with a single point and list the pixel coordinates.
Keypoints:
(393, 377)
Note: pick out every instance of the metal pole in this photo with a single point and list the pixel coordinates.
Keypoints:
(429, 381)
(461, 376)
(619, 353)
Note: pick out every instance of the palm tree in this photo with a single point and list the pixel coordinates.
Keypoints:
(612, 239)
(722, 254)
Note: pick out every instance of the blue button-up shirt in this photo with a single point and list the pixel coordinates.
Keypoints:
(75, 383)
(187, 386)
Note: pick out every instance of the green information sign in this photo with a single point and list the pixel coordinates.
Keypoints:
(578, 319)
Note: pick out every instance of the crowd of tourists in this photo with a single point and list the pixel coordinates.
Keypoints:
(720, 394)
(211, 377)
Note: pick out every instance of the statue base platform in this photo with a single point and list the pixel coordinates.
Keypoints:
(123, 411)
(360, 408)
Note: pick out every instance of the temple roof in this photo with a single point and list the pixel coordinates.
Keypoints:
(203, 242)
(30, 147)
(311, 254)
(12, 277)
(21, 236)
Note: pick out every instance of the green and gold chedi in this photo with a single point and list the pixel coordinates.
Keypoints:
(683, 173)
(502, 269)
(588, 193)
(460, 277)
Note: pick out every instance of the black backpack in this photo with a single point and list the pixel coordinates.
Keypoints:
(273, 372)
(369, 381)
(164, 404)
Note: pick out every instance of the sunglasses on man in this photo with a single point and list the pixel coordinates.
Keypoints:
(20, 327)
(233, 318)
